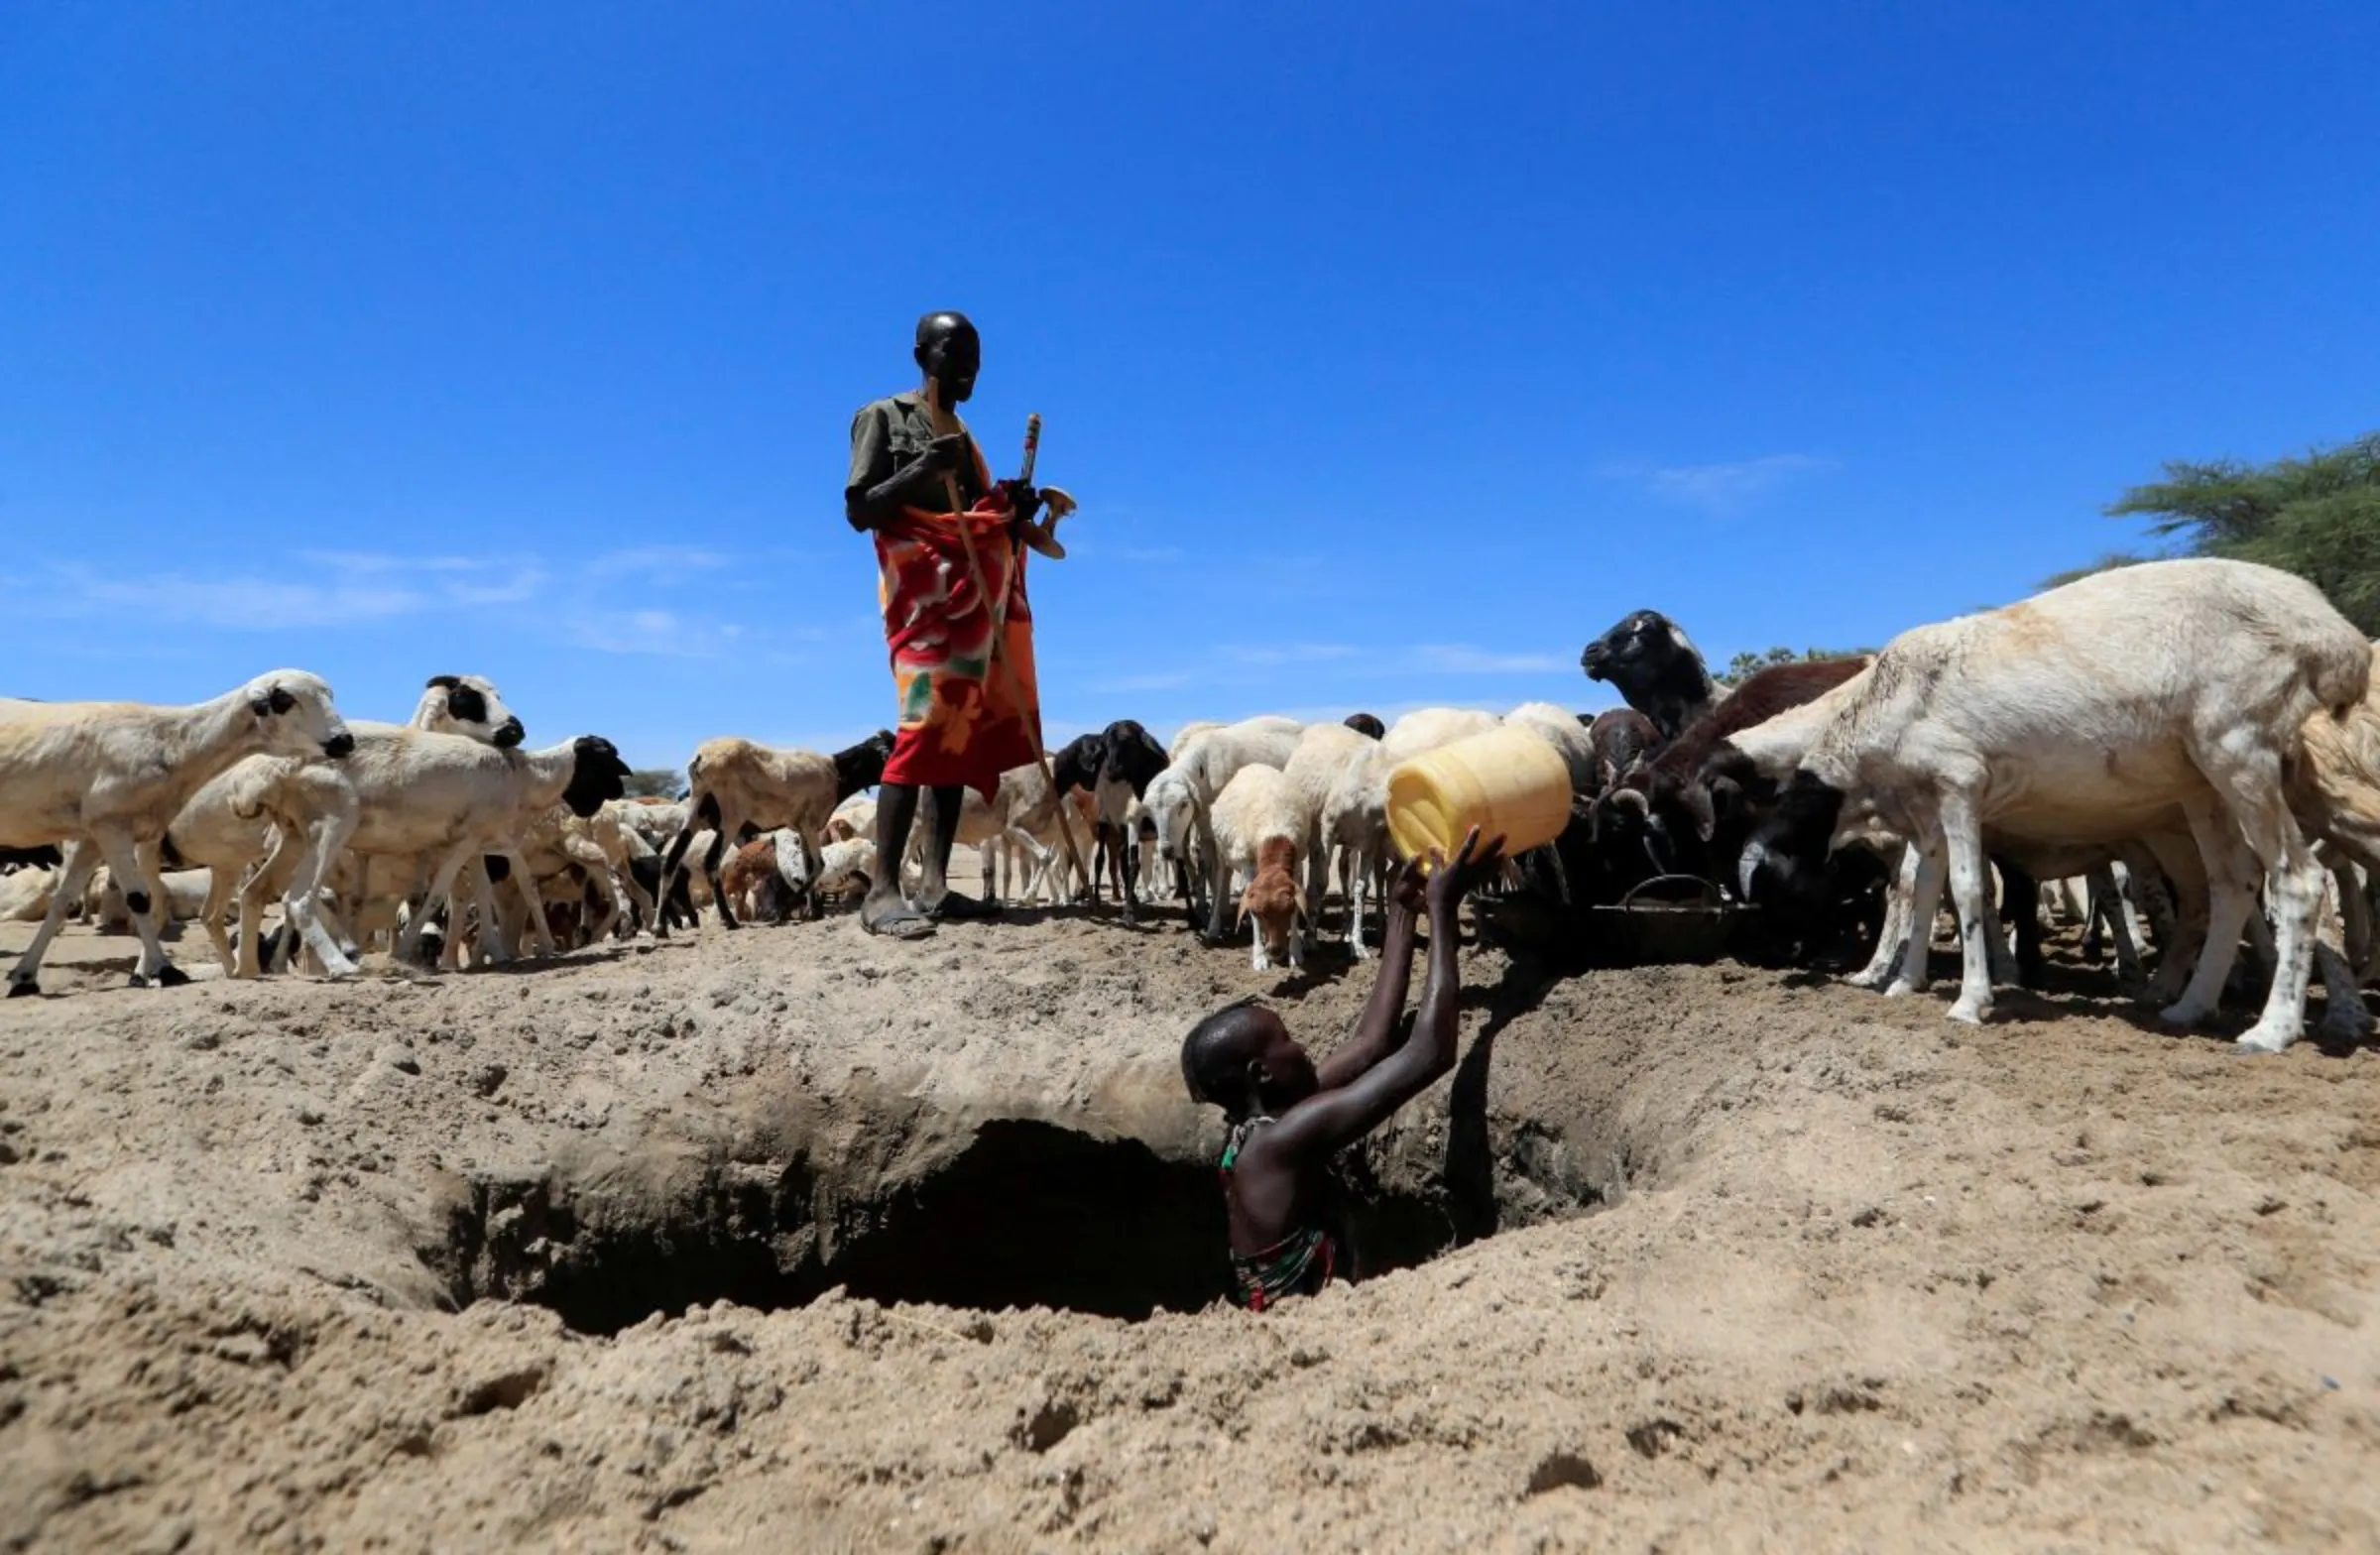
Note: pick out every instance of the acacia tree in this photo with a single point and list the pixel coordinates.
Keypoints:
(1746, 663)
(2318, 515)
(655, 782)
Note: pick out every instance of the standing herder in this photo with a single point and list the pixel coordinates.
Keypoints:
(962, 723)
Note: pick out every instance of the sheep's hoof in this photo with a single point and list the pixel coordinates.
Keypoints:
(2181, 1017)
(28, 989)
(2257, 1042)
(1969, 1015)
(1900, 988)
(2346, 1023)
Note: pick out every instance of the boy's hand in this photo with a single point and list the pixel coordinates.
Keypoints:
(1406, 889)
(1451, 881)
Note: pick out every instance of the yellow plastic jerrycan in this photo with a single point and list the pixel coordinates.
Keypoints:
(1507, 783)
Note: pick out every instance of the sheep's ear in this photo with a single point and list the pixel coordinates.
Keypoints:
(448, 682)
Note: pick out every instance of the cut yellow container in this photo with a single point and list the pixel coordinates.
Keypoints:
(1507, 783)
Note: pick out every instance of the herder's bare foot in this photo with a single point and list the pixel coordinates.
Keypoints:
(886, 912)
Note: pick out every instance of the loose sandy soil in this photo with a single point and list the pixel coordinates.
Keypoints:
(1776, 1263)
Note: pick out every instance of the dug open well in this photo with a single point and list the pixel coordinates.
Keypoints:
(794, 1239)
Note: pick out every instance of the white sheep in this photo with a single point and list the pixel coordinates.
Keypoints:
(287, 818)
(1015, 833)
(2086, 715)
(735, 781)
(599, 847)
(1172, 810)
(854, 817)
(1425, 729)
(1189, 732)
(1260, 833)
(658, 821)
(1208, 760)
(1354, 820)
(1561, 729)
(25, 893)
(455, 801)
(108, 777)
(1325, 754)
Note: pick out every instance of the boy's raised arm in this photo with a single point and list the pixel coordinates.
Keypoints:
(1374, 1032)
(1330, 1119)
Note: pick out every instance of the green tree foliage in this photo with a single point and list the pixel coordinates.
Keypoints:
(656, 783)
(2318, 515)
(1743, 664)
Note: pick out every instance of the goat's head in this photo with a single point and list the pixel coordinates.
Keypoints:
(1621, 737)
(473, 708)
(1170, 808)
(1129, 754)
(596, 775)
(295, 715)
(1654, 666)
(1077, 764)
(863, 764)
(1275, 899)
(1784, 863)
(1642, 640)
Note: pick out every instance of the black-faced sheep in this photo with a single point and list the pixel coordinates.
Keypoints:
(1656, 667)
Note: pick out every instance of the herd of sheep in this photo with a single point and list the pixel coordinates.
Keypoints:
(2188, 739)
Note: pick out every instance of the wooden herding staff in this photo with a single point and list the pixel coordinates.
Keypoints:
(999, 611)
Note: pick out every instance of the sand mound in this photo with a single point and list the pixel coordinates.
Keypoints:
(707, 1246)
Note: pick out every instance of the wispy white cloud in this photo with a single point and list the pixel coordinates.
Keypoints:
(1722, 490)
(656, 563)
(1266, 654)
(324, 589)
(661, 632)
(1462, 658)
(608, 599)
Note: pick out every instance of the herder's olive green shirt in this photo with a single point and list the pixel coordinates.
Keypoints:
(888, 434)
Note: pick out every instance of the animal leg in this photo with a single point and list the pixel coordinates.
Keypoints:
(301, 905)
(1899, 897)
(529, 895)
(1925, 901)
(2106, 908)
(219, 888)
(1962, 847)
(2230, 901)
(73, 878)
(441, 884)
(144, 900)
(2354, 913)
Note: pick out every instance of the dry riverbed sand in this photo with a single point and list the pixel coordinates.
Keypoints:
(716, 1245)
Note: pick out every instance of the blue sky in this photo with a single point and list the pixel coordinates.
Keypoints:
(1392, 350)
